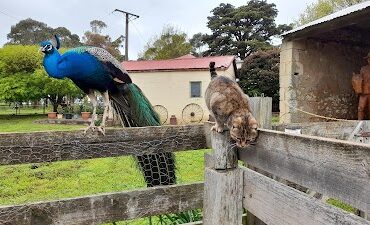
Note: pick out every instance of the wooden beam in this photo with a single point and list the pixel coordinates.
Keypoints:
(17, 148)
(276, 203)
(224, 152)
(223, 197)
(222, 183)
(106, 208)
(335, 168)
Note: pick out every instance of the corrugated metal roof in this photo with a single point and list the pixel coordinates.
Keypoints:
(343, 12)
(182, 63)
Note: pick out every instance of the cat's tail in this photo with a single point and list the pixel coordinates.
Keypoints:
(212, 70)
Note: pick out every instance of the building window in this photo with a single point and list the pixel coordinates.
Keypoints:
(195, 89)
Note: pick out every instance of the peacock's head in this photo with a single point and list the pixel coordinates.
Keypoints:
(47, 47)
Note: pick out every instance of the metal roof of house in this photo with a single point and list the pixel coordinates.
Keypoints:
(332, 17)
(181, 63)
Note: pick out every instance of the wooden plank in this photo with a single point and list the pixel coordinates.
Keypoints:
(224, 151)
(17, 148)
(262, 110)
(222, 197)
(335, 168)
(363, 126)
(112, 207)
(253, 220)
(276, 203)
(358, 128)
(209, 161)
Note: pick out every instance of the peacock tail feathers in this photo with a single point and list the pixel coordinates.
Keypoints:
(142, 111)
(158, 169)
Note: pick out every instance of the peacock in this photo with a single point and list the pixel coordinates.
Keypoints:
(94, 69)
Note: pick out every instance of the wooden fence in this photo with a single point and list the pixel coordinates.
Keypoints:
(338, 169)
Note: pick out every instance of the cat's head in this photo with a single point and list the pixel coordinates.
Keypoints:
(243, 129)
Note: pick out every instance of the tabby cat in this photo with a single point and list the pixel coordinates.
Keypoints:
(230, 106)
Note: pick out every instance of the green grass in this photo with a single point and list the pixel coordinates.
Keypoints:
(341, 205)
(26, 124)
(275, 120)
(21, 184)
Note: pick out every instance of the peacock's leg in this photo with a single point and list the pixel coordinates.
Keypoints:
(105, 95)
(94, 102)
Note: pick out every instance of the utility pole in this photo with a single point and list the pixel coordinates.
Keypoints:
(127, 14)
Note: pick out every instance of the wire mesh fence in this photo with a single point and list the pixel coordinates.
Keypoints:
(23, 109)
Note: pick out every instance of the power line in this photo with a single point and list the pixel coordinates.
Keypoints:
(127, 14)
(139, 33)
(8, 15)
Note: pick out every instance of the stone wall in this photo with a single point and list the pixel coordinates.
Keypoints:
(315, 77)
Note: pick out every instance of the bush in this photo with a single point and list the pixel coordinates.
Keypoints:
(260, 75)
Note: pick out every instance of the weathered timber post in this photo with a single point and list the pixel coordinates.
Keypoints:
(262, 110)
(222, 203)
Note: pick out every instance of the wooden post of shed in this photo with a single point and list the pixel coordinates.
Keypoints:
(222, 203)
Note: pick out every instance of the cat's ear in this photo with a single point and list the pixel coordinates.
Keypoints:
(252, 122)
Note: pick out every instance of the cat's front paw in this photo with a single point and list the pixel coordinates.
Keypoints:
(217, 129)
(220, 129)
(214, 128)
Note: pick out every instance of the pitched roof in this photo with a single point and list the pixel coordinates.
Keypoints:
(181, 63)
(354, 9)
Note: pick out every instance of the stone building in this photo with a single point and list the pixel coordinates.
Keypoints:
(316, 65)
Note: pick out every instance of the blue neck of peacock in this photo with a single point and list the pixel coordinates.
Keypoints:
(51, 61)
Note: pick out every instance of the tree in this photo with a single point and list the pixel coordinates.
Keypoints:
(32, 32)
(22, 77)
(259, 75)
(97, 26)
(95, 38)
(171, 43)
(243, 30)
(198, 45)
(322, 8)
(53, 89)
(68, 39)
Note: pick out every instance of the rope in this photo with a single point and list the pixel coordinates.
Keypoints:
(315, 115)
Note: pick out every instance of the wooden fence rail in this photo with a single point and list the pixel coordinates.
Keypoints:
(106, 207)
(335, 168)
(17, 148)
(338, 169)
(275, 203)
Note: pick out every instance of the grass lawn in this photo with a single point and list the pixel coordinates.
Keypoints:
(50, 181)
(26, 124)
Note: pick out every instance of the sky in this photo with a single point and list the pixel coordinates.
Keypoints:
(189, 16)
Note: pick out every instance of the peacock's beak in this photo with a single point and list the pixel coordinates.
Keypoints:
(40, 49)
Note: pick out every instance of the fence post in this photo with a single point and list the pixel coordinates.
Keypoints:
(262, 110)
(222, 203)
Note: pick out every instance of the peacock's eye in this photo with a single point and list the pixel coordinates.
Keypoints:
(49, 47)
